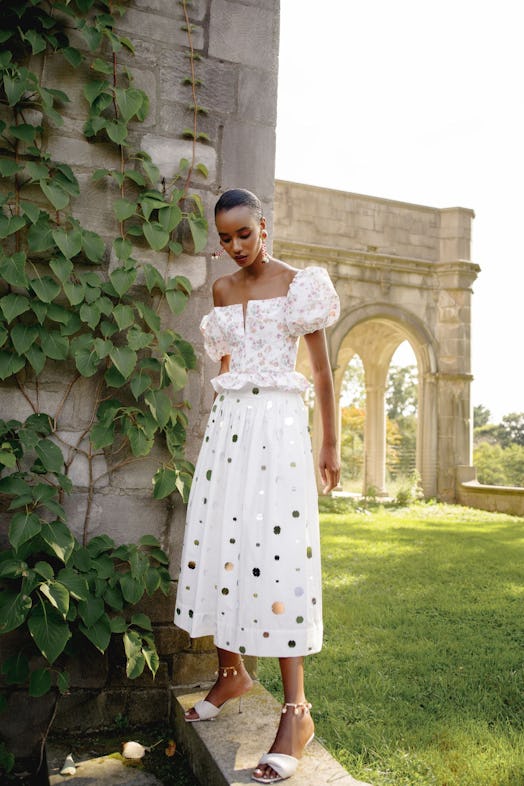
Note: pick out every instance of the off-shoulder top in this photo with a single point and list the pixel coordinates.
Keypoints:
(263, 344)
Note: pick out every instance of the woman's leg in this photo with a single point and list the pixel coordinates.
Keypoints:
(232, 680)
(296, 724)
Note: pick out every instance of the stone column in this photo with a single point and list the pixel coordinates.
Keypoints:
(427, 434)
(375, 430)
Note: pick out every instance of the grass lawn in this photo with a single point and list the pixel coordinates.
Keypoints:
(421, 679)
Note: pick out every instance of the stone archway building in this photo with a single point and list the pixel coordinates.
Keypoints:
(403, 272)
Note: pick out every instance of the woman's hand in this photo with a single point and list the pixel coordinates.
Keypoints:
(329, 466)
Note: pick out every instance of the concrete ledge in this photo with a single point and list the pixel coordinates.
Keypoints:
(225, 751)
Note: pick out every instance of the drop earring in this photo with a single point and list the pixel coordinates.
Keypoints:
(265, 255)
(218, 253)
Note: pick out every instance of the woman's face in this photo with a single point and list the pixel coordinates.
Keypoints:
(240, 234)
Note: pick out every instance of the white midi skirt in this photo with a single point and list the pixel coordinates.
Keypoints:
(250, 573)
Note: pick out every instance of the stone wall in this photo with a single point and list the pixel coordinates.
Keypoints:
(237, 41)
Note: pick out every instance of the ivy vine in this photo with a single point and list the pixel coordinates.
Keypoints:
(91, 308)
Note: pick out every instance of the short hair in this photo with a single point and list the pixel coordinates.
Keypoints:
(239, 196)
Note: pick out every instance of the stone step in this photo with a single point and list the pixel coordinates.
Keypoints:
(225, 751)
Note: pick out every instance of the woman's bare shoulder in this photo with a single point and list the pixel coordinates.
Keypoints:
(221, 287)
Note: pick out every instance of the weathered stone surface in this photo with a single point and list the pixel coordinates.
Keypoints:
(245, 156)
(159, 28)
(190, 668)
(168, 152)
(256, 101)
(241, 34)
(170, 639)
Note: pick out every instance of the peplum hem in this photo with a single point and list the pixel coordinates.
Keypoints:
(288, 381)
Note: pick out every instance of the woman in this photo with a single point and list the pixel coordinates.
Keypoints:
(250, 573)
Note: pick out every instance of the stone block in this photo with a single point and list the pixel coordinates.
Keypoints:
(243, 34)
(126, 517)
(78, 152)
(256, 96)
(88, 668)
(89, 710)
(202, 644)
(159, 28)
(14, 405)
(94, 205)
(192, 669)
(82, 470)
(170, 639)
(147, 706)
(196, 9)
(217, 91)
(173, 118)
(167, 153)
(246, 150)
(119, 679)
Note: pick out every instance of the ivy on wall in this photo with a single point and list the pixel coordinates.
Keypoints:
(88, 309)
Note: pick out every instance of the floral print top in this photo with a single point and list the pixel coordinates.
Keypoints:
(263, 343)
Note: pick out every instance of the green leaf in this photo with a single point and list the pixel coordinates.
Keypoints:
(124, 359)
(13, 305)
(175, 371)
(54, 345)
(37, 170)
(132, 589)
(15, 86)
(38, 42)
(39, 310)
(60, 539)
(176, 300)
(123, 247)
(95, 88)
(39, 682)
(9, 167)
(153, 278)
(45, 288)
(75, 293)
(152, 171)
(198, 227)
(16, 669)
(138, 339)
(152, 580)
(22, 528)
(169, 217)
(102, 66)
(73, 56)
(58, 595)
(69, 243)
(90, 314)
(149, 316)
(141, 621)
(151, 655)
(61, 267)
(91, 610)
(49, 631)
(164, 482)
(117, 131)
(14, 608)
(76, 584)
(23, 336)
(129, 101)
(36, 358)
(11, 225)
(56, 195)
(157, 237)
(63, 682)
(10, 364)
(23, 131)
(160, 406)
(50, 455)
(113, 378)
(93, 245)
(59, 314)
(124, 209)
(102, 435)
(135, 658)
(122, 280)
(31, 211)
(124, 316)
(39, 237)
(12, 269)
(140, 382)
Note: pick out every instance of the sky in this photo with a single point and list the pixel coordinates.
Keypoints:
(420, 101)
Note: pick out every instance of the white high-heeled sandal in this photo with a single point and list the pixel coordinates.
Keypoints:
(208, 711)
(283, 764)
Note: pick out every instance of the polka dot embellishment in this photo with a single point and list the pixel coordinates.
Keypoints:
(265, 634)
(309, 552)
(242, 650)
(296, 514)
(228, 566)
(208, 474)
(256, 391)
(256, 572)
(191, 565)
(234, 438)
(300, 619)
(291, 644)
(225, 591)
(278, 607)
(276, 530)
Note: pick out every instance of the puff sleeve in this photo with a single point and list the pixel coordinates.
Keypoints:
(215, 342)
(312, 302)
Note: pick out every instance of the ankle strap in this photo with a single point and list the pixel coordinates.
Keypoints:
(305, 706)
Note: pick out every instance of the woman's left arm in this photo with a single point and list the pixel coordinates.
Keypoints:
(329, 463)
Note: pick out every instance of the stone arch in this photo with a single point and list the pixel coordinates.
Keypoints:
(403, 272)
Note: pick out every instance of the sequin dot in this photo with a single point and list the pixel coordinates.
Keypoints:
(228, 566)
(291, 643)
(178, 611)
(293, 464)
(234, 438)
(277, 530)
(300, 619)
(232, 540)
(191, 565)
(263, 467)
(256, 572)
(208, 474)
(196, 542)
(277, 557)
(296, 514)
(309, 552)
(265, 634)
(242, 650)
(278, 607)
(190, 613)
(256, 391)
(225, 591)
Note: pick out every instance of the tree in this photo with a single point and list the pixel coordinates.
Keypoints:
(512, 429)
(402, 392)
(481, 416)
